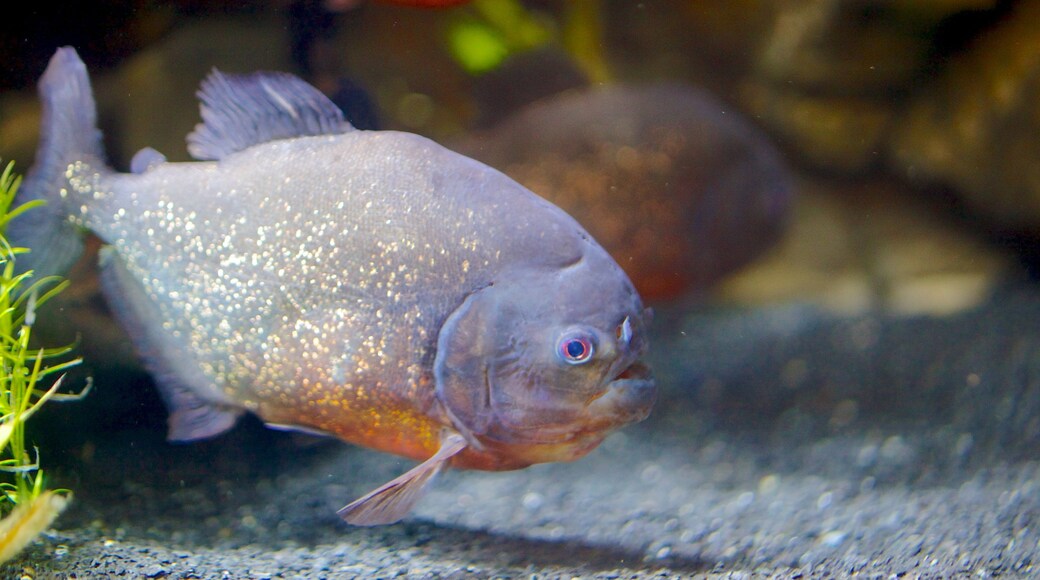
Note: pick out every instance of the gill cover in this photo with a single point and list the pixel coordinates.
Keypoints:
(464, 350)
(508, 370)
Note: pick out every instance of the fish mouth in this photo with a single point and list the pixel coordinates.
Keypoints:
(636, 371)
(629, 397)
(626, 398)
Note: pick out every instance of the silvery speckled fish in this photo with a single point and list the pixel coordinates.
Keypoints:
(367, 284)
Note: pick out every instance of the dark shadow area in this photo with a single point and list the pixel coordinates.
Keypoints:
(523, 552)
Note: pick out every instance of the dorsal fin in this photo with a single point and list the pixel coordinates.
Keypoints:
(239, 111)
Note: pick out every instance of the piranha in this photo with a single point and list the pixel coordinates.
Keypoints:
(674, 188)
(370, 285)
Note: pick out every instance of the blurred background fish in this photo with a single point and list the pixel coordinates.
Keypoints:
(678, 191)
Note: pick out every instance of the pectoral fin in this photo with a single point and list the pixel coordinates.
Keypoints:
(392, 501)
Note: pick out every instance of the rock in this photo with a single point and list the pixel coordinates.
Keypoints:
(977, 128)
(855, 248)
(826, 75)
(843, 47)
(702, 41)
(836, 133)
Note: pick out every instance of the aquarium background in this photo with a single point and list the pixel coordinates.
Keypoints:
(832, 205)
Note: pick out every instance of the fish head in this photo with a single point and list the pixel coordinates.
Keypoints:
(545, 361)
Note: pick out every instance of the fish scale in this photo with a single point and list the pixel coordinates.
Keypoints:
(345, 312)
(374, 286)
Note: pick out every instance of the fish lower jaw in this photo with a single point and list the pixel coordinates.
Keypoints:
(627, 399)
(508, 456)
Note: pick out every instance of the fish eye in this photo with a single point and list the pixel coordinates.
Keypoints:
(575, 348)
(624, 331)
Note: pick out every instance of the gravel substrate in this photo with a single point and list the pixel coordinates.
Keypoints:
(786, 442)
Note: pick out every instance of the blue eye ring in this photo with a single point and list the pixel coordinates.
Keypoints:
(575, 348)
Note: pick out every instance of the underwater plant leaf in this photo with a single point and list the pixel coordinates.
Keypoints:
(29, 299)
(56, 368)
(10, 281)
(17, 417)
(50, 353)
(27, 520)
(583, 38)
(5, 219)
(20, 466)
(46, 396)
(69, 397)
(522, 27)
(21, 369)
(6, 430)
(476, 46)
(9, 183)
(481, 38)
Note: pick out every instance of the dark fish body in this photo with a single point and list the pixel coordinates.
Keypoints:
(370, 285)
(680, 191)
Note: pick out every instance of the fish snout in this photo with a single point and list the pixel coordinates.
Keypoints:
(629, 397)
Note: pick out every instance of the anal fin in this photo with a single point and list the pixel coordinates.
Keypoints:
(191, 416)
(391, 502)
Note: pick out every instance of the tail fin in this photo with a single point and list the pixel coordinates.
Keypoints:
(68, 133)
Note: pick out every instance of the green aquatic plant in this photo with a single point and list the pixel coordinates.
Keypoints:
(29, 377)
(483, 35)
(583, 38)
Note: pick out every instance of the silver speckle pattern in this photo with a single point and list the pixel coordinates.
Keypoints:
(306, 279)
